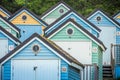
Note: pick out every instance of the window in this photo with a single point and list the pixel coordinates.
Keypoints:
(36, 48)
(98, 18)
(70, 31)
(61, 10)
(24, 17)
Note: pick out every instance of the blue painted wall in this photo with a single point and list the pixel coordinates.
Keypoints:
(28, 30)
(78, 19)
(117, 71)
(27, 53)
(118, 36)
(74, 74)
(103, 23)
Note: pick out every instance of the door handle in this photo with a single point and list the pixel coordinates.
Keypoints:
(34, 68)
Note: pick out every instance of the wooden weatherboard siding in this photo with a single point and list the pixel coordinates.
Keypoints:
(77, 18)
(55, 12)
(79, 36)
(27, 53)
(73, 74)
(30, 20)
(28, 30)
(45, 53)
(106, 24)
(31, 24)
(6, 25)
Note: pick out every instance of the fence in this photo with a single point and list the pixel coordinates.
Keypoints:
(91, 72)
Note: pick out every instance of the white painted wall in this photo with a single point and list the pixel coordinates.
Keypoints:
(3, 47)
(79, 50)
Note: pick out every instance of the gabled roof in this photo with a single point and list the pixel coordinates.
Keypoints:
(33, 15)
(116, 14)
(12, 25)
(5, 10)
(80, 27)
(61, 2)
(52, 45)
(9, 35)
(104, 14)
(95, 27)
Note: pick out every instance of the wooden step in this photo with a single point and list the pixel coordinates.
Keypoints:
(107, 73)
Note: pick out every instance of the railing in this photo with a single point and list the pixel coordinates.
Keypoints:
(91, 72)
(115, 58)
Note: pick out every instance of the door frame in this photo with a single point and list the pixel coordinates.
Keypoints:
(59, 66)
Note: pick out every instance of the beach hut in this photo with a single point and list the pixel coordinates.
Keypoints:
(27, 22)
(38, 58)
(55, 12)
(109, 35)
(110, 31)
(80, 44)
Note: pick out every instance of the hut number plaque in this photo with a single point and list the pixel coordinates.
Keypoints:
(64, 69)
(118, 33)
(94, 49)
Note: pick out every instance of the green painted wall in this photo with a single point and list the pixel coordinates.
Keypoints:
(56, 13)
(100, 60)
(7, 27)
(78, 35)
